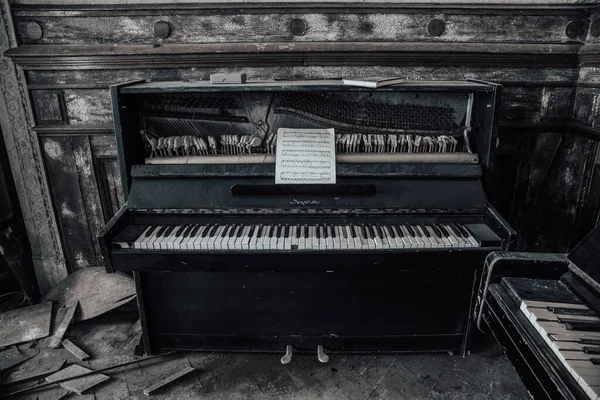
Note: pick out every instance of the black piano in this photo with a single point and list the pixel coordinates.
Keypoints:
(544, 310)
(387, 259)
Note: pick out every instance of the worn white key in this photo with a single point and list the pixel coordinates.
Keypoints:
(294, 237)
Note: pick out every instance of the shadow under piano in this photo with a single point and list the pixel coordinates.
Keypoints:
(387, 259)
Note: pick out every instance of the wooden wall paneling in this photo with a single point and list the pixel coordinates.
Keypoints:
(108, 175)
(231, 25)
(72, 180)
(88, 106)
(26, 162)
(49, 107)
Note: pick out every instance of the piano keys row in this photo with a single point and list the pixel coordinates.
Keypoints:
(304, 237)
(572, 331)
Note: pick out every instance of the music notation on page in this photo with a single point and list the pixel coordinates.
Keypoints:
(305, 156)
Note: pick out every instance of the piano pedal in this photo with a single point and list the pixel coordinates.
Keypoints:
(321, 354)
(287, 358)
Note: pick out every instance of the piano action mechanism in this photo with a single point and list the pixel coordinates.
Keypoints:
(386, 259)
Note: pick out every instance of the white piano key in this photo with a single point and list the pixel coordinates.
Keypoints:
(170, 239)
(314, 240)
(260, 242)
(294, 231)
(421, 234)
(137, 244)
(375, 235)
(254, 238)
(219, 237)
(392, 244)
(302, 239)
(184, 243)
(452, 238)
(408, 239)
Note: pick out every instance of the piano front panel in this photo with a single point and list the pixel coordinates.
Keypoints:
(281, 307)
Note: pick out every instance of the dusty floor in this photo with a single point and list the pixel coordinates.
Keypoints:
(486, 374)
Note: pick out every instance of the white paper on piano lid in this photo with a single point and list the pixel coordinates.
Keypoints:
(305, 156)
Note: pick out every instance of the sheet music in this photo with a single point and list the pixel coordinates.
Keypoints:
(305, 156)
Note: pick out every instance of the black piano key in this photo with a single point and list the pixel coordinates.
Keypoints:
(374, 232)
(458, 231)
(354, 231)
(187, 230)
(260, 229)
(333, 232)
(344, 232)
(180, 230)
(239, 230)
(464, 230)
(251, 231)
(205, 231)
(444, 231)
(305, 231)
(438, 232)
(365, 232)
(392, 232)
(425, 230)
(194, 230)
(410, 230)
(213, 230)
(588, 326)
(231, 230)
(593, 342)
(591, 350)
(277, 233)
(162, 231)
(318, 232)
(595, 361)
(398, 231)
(298, 231)
(571, 311)
(169, 230)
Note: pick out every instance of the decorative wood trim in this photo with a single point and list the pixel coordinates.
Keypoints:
(27, 165)
(79, 10)
(60, 57)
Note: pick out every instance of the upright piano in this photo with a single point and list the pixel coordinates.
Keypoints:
(544, 311)
(386, 259)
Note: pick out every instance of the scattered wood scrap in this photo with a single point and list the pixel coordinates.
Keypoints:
(151, 389)
(78, 384)
(11, 356)
(59, 331)
(25, 324)
(45, 363)
(76, 351)
(96, 291)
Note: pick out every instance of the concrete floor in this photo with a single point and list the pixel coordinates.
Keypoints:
(486, 374)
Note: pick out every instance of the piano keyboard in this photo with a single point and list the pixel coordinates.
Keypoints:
(573, 332)
(302, 237)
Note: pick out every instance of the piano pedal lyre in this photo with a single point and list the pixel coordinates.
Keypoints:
(321, 354)
(287, 358)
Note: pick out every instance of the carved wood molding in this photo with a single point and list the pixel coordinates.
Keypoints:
(26, 163)
(216, 8)
(60, 57)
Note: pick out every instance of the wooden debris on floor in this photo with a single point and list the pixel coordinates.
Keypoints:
(157, 386)
(77, 385)
(96, 291)
(25, 324)
(61, 323)
(76, 351)
(11, 356)
(45, 363)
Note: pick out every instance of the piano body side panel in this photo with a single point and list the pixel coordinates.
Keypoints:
(105, 237)
(500, 264)
(399, 306)
(541, 371)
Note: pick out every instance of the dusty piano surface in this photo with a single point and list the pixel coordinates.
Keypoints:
(387, 259)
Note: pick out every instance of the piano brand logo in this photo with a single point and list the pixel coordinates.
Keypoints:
(296, 202)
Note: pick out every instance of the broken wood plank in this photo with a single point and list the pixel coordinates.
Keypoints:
(151, 389)
(59, 332)
(96, 290)
(25, 324)
(11, 356)
(78, 384)
(76, 351)
(45, 363)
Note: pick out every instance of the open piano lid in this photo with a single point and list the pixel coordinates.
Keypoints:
(585, 259)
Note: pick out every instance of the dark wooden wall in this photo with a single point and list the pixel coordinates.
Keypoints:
(545, 175)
